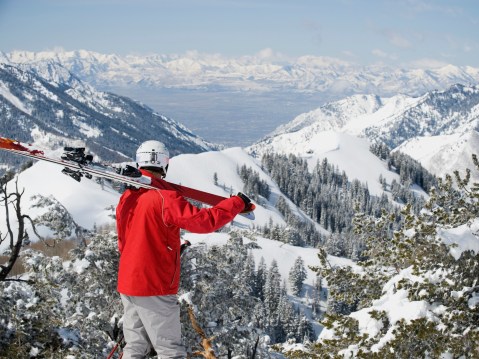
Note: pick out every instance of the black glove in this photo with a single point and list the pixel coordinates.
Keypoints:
(246, 200)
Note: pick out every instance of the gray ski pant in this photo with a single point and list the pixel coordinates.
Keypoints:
(152, 322)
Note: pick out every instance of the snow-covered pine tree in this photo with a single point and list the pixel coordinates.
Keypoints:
(297, 275)
(220, 288)
(426, 265)
(68, 307)
(272, 288)
(260, 279)
(92, 304)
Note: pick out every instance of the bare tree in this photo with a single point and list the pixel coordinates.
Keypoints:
(15, 242)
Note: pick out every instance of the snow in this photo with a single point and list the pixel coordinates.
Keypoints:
(34, 351)
(270, 250)
(92, 204)
(80, 265)
(86, 201)
(462, 238)
(349, 153)
(396, 305)
(197, 171)
(87, 130)
(15, 101)
(444, 153)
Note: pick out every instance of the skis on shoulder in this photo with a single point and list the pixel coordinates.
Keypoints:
(77, 165)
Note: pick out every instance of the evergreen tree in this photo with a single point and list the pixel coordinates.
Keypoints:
(297, 275)
(272, 288)
(419, 263)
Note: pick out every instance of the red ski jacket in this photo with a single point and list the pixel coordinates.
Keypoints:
(148, 224)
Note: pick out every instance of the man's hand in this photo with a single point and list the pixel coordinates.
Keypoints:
(184, 244)
(248, 206)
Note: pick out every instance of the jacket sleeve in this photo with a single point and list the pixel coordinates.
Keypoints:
(179, 212)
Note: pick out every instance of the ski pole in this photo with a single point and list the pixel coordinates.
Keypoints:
(115, 348)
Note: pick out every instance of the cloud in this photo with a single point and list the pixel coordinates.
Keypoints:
(427, 63)
(393, 36)
(269, 55)
(349, 53)
(396, 39)
(458, 44)
(381, 54)
(414, 7)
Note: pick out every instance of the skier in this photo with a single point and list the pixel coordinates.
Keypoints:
(148, 224)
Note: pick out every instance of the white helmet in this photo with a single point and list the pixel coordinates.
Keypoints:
(153, 154)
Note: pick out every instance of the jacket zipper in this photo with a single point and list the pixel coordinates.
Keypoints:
(176, 269)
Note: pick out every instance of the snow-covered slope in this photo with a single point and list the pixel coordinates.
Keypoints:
(446, 153)
(91, 203)
(197, 171)
(110, 126)
(434, 128)
(349, 153)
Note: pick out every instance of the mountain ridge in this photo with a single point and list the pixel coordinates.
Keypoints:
(393, 121)
(246, 73)
(111, 126)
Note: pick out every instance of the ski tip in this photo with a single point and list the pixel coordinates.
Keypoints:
(10, 144)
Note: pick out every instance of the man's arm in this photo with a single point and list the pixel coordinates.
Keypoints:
(181, 213)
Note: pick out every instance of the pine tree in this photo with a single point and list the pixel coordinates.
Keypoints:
(272, 288)
(415, 261)
(297, 275)
(223, 295)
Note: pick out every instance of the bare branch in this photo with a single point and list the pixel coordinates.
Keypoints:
(16, 244)
(28, 281)
(206, 343)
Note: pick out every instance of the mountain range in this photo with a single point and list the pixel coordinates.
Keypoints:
(248, 73)
(41, 100)
(70, 112)
(237, 101)
(439, 128)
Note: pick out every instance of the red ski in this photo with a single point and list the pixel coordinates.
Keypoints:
(77, 165)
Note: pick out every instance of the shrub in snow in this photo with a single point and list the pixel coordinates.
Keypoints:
(69, 307)
(415, 292)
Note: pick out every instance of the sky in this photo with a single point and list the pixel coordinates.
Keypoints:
(394, 32)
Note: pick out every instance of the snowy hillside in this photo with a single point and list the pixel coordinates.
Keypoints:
(351, 154)
(110, 126)
(432, 128)
(446, 153)
(91, 203)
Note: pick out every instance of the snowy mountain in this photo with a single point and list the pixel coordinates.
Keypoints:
(70, 112)
(212, 94)
(251, 73)
(434, 128)
(340, 132)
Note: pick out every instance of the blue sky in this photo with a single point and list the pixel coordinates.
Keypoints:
(396, 32)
